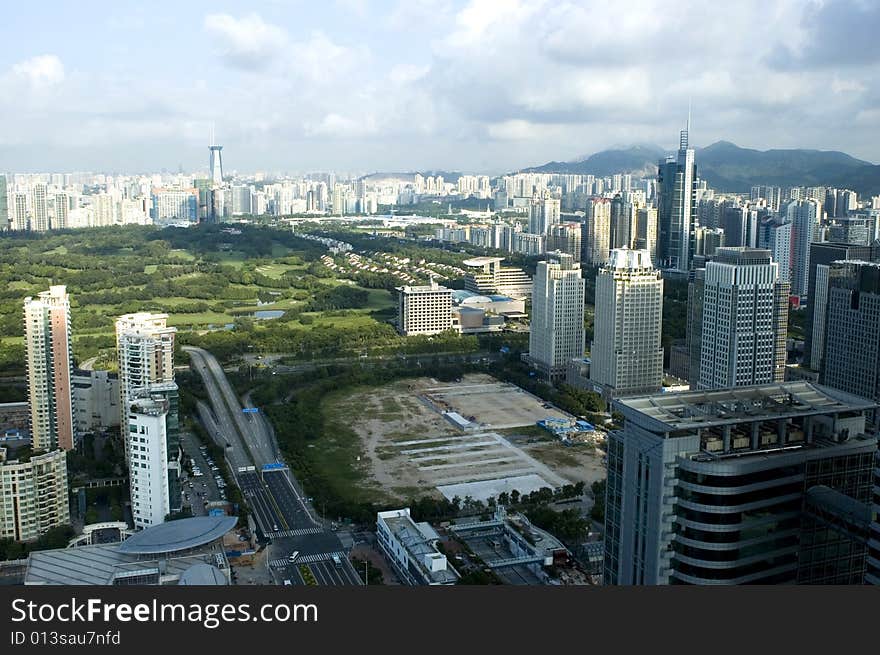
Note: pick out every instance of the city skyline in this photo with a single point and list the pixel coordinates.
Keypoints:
(431, 85)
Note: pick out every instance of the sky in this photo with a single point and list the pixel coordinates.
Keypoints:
(469, 85)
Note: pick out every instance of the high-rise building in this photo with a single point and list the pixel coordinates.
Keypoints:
(694, 325)
(565, 237)
(47, 338)
(756, 485)
(677, 207)
(146, 424)
(145, 350)
(19, 216)
(822, 255)
(557, 327)
(646, 232)
(596, 239)
(775, 235)
(33, 494)
(851, 358)
(805, 217)
(745, 320)
(62, 211)
(4, 204)
(424, 309)
(626, 355)
(40, 209)
(543, 212)
(622, 220)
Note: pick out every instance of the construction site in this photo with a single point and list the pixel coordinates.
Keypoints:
(475, 438)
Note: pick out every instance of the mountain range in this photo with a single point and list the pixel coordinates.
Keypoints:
(727, 167)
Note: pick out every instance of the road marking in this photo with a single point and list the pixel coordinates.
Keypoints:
(307, 559)
(294, 533)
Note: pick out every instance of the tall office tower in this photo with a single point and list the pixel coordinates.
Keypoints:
(774, 234)
(557, 328)
(40, 207)
(145, 350)
(543, 212)
(646, 231)
(745, 320)
(62, 211)
(851, 358)
(805, 216)
(758, 485)
(694, 324)
(34, 494)
(4, 204)
(858, 230)
(565, 237)
(707, 240)
(47, 340)
(596, 239)
(822, 255)
(146, 424)
(19, 212)
(626, 355)
(424, 309)
(740, 225)
(216, 163)
(677, 207)
(622, 219)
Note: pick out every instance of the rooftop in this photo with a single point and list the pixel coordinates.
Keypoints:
(174, 536)
(482, 261)
(418, 540)
(694, 409)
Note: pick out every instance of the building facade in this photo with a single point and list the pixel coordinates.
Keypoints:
(626, 356)
(556, 333)
(47, 337)
(677, 207)
(744, 320)
(596, 239)
(424, 309)
(33, 494)
(805, 216)
(148, 459)
(757, 485)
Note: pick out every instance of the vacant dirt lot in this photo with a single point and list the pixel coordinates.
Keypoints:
(408, 448)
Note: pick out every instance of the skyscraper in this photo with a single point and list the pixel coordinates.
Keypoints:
(543, 213)
(745, 320)
(851, 358)
(626, 355)
(757, 485)
(645, 237)
(805, 216)
(47, 339)
(146, 423)
(822, 255)
(145, 350)
(40, 207)
(557, 328)
(596, 239)
(677, 207)
(4, 204)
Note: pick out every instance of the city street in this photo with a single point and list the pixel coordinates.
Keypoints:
(279, 507)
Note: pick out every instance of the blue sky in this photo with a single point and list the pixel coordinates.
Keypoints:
(474, 85)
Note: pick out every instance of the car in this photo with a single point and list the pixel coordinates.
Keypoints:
(287, 583)
(274, 527)
(293, 557)
(337, 560)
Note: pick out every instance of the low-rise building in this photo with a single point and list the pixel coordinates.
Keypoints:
(412, 549)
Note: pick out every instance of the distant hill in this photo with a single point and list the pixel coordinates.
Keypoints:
(448, 176)
(727, 167)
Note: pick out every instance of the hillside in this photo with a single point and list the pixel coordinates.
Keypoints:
(727, 167)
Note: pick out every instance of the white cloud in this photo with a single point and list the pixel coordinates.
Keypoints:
(40, 71)
(247, 42)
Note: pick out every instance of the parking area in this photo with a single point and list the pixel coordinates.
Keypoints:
(201, 487)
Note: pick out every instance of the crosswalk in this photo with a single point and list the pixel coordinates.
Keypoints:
(307, 559)
(294, 533)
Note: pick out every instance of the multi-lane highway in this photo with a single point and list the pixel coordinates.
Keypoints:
(281, 512)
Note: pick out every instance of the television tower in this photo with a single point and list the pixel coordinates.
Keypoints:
(216, 162)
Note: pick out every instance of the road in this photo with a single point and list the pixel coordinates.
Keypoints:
(282, 514)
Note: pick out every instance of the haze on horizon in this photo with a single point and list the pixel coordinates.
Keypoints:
(471, 85)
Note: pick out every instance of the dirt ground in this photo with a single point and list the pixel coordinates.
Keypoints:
(409, 448)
